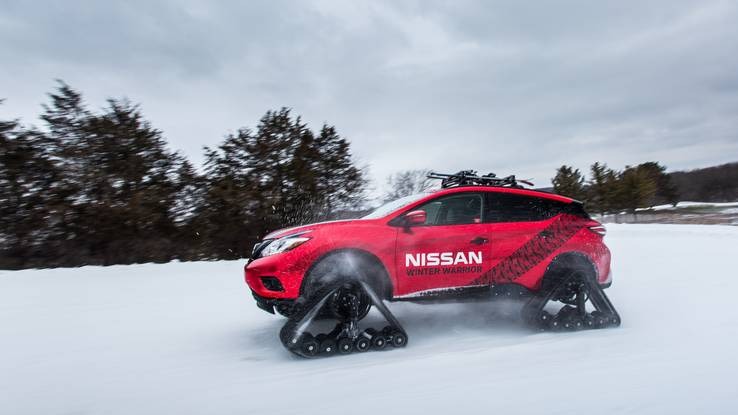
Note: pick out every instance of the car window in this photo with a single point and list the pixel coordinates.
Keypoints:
(453, 209)
(506, 207)
(392, 206)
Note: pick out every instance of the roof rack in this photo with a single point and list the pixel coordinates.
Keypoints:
(471, 178)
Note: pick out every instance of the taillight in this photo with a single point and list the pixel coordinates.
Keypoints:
(599, 229)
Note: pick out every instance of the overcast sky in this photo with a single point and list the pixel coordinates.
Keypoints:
(502, 86)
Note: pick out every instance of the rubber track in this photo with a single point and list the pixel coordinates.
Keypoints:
(533, 308)
(298, 323)
(313, 304)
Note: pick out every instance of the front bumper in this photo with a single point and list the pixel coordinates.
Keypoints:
(275, 277)
(273, 304)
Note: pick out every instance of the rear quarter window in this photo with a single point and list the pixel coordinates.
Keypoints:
(508, 207)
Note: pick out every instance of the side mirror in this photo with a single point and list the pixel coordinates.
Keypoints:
(415, 218)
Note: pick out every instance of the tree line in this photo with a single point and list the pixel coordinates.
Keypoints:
(645, 185)
(710, 184)
(103, 188)
(611, 191)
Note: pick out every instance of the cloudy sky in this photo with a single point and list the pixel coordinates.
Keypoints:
(505, 86)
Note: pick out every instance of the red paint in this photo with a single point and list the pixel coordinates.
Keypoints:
(516, 252)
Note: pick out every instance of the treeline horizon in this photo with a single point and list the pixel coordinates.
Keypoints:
(103, 188)
(604, 190)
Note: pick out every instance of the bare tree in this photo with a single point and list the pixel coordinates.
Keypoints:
(406, 183)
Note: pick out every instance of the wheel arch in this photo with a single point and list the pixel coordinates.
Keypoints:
(380, 277)
(569, 260)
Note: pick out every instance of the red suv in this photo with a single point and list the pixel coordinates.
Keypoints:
(473, 239)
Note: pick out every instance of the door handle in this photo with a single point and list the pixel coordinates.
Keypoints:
(479, 240)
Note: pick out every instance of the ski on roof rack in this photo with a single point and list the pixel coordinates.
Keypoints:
(471, 178)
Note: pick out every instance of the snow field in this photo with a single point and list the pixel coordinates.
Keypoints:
(187, 338)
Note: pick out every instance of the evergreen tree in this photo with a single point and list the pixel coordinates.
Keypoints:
(569, 182)
(102, 187)
(119, 185)
(279, 194)
(279, 175)
(133, 187)
(601, 190)
(190, 196)
(66, 121)
(340, 184)
(225, 221)
(666, 191)
(636, 188)
(27, 176)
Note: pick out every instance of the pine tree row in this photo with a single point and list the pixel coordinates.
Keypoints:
(103, 188)
(610, 191)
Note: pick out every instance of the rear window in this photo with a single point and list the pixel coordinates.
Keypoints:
(507, 207)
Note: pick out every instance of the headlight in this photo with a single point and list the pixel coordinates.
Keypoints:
(256, 251)
(283, 245)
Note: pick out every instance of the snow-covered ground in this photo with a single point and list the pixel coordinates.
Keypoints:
(186, 338)
(691, 213)
(693, 205)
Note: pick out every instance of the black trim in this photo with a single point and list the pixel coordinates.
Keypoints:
(453, 294)
(268, 304)
(271, 283)
(470, 294)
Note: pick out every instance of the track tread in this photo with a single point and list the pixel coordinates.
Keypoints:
(294, 332)
(570, 318)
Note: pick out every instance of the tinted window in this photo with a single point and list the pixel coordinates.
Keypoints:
(392, 206)
(506, 207)
(454, 210)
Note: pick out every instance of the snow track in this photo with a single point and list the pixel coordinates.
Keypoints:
(186, 338)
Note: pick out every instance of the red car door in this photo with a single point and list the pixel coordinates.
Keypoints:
(512, 221)
(451, 249)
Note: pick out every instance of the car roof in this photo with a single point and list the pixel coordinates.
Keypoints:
(510, 190)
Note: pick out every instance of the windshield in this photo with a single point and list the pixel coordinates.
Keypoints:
(392, 206)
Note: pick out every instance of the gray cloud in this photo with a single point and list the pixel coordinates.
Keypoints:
(511, 87)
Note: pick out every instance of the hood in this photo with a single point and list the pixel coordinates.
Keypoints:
(295, 229)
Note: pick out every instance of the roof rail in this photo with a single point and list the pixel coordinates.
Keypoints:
(471, 178)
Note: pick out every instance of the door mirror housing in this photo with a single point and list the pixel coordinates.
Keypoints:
(415, 218)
